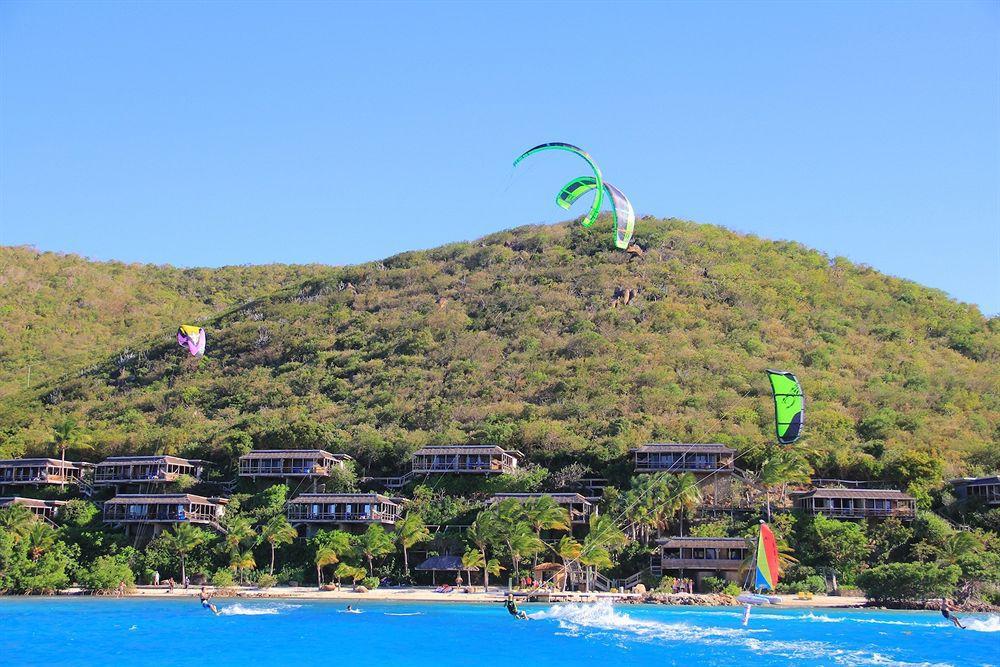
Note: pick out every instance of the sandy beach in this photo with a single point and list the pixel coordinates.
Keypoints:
(496, 595)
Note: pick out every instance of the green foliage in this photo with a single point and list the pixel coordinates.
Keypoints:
(897, 582)
(105, 575)
(35, 562)
(713, 584)
(731, 589)
(266, 581)
(222, 579)
(832, 542)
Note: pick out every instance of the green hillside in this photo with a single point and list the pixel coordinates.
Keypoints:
(543, 338)
(60, 312)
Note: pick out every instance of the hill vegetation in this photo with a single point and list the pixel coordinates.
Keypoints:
(61, 312)
(541, 338)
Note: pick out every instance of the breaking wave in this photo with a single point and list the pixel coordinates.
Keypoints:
(590, 620)
(239, 609)
(989, 624)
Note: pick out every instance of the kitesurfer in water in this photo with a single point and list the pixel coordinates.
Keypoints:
(946, 610)
(512, 608)
(206, 601)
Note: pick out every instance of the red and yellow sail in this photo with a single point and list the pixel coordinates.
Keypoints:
(767, 559)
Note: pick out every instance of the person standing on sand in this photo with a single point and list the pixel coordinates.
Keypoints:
(156, 577)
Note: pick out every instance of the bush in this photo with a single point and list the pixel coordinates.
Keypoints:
(105, 575)
(266, 581)
(713, 584)
(222, 579)
(731, 589)
(291, 576)
(898, 582)
(371, 583)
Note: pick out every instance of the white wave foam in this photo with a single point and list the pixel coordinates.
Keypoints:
(239, 609)
(601, 618)
(989, 624)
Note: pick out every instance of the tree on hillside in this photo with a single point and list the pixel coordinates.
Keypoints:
(276, 532)
(185, 539)
(67, 434)
(374, 543)
(781, 466)
(482, 533)
(410, 532)
(544, 513)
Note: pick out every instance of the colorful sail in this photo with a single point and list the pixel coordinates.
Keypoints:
(789, 406)
(767, 560)
(623, 212)
(595, 207)
(193, 338)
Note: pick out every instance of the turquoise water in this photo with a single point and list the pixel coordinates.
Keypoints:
(78, 632)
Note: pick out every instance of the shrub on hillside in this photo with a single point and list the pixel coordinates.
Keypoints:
(106, 575)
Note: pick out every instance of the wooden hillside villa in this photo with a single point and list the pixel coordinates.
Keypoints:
(38, 472)
(856, 503)
(579, 507)
(481, 459)
(700, 557)
(146, 469)
(162, 509)
(42, 508)
(288, 463)
(700, 459)
(342, 509)
(986, 489)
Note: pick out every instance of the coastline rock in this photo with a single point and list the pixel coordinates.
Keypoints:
(692, 599)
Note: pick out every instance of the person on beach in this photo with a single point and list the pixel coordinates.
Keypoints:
(156, 577)
(121, 588)
(170, 584)
(946, 611)
(512, 608)
(206, 601)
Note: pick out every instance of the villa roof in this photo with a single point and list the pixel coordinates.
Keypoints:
(703, 542)
(446, 562)
(864, 494)
(681, 448)
(963, 481)
(431, 450)
(341, 498)
(30, 502)
(41, 461)
(167, 498)
(272, 453)
(150, 458)
(558, 497)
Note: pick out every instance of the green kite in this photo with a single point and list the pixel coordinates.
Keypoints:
(789, 406)
(595, 208)
(623, 211)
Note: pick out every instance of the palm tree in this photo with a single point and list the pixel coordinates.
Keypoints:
(239, 530)
(17, 520)
(482, 534)
(324, 556)
(569, 549)
(411, 531)
(67, 434)
(185, 539)
(957, 545)
(374, 543)
(684, 494)
(278, 531)
(544, 513)
(39, 539)
(473, 559)
(604, 537)
(780, 468)
(241, 562)
(514, 532)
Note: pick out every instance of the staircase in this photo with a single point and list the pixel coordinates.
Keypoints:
(86, 487)
(391, 483)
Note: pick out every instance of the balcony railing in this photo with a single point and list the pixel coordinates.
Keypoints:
(341, 517)
(860, 512)
(284, 471)
(700, 564)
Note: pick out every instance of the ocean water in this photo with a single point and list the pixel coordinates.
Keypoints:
(84, 632)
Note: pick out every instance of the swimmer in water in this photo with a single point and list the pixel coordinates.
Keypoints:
(946, 611)
(206, 601)
(512, 608)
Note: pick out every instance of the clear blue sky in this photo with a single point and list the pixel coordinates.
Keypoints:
(210, 134)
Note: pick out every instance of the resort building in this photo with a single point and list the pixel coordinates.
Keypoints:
(856, 503)
(700, 459)
(985, 489)
(45, 509)
(482, 459)
(136, 510)
(146, 469)
(291, 463)
(36, 472)
(342, 510)
(578, 506)
(700, 557)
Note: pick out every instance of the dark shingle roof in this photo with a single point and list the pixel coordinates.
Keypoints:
(865, 494)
